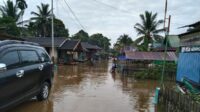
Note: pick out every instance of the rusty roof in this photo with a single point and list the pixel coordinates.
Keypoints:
(170, 56)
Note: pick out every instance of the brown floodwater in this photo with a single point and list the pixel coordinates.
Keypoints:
(83, 88)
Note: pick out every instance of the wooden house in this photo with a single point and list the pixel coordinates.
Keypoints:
(66, 51)
(89, 50)
(46, 42)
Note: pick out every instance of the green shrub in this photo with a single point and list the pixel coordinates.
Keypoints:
(155, 72)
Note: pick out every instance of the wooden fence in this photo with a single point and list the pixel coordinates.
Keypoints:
(177, 102)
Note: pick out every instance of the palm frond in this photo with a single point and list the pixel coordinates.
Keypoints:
(158, 38)
(139, 40)
(140, 31)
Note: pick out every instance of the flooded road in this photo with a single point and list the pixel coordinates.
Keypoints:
(82, 88)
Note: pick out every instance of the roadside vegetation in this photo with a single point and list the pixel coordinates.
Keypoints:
(39, 25)
(149, 32)
(154, 72)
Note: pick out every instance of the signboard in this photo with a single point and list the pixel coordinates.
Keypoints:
(190, 49)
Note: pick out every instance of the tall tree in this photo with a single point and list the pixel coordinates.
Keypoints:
(59, 29)
(42, 18)
(100, 40)
(21, 4)
(8, 26)
(11, 14)
(148, 29)
(81, 35)
(10, 10)
(125, 40)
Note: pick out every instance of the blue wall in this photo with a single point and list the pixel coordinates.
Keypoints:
(189, 67)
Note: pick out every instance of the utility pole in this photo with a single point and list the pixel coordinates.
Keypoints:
(166, 42)
(52, 28)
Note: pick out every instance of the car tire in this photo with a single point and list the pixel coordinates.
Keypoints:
(44, 92)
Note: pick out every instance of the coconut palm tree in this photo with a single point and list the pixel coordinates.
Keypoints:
(148, 29)
(42, 18)
(122, 42)
(10, 10)
(21, 4)
(125, 40)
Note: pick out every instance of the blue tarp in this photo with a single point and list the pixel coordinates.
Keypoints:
(189, 67)
(121, 58)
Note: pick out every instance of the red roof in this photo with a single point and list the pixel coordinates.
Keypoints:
(170, 56)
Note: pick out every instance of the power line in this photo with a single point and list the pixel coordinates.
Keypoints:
(70, 9)
(110, 6)
(70, 15)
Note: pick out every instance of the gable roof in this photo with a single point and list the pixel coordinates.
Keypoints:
(192, 25)
(88, 46)
(70, 45)
(47, 41)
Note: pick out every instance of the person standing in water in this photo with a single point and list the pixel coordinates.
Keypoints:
(114, 65)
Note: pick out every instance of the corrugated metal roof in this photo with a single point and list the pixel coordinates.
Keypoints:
(47, 41)
(86, 45)
(70, 44)
(171, 56)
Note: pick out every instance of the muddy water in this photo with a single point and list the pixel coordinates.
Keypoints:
(82, 88)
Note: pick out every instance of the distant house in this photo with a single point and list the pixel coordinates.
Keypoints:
(173, 44)
(69, 51)
(150, 56)
(190, 40)
(46, 42)
(89, 50)
(66, 50)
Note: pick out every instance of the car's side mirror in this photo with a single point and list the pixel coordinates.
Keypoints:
(2, 67)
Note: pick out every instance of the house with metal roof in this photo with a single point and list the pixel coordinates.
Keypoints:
(173, 42)
(46, 42)
(90, 51)
(189, 58)
(69, 51)
(66, 50)
(151, 56)
(191, 38)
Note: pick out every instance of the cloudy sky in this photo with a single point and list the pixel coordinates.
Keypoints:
(116, 17)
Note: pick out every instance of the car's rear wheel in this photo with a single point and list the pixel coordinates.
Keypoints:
(44, 92)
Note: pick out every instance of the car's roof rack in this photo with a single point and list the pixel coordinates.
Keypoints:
(6, 42)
